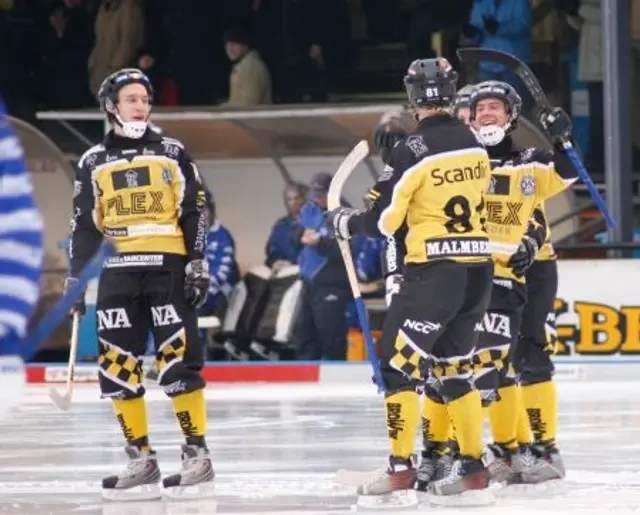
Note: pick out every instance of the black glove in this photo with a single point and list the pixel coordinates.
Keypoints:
(524, 256)
(78, 305)
(385, 138)
(338, 220)
(557, 124)
(490, 24)
(196, 282)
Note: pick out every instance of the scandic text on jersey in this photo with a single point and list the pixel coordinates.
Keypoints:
(453, 175)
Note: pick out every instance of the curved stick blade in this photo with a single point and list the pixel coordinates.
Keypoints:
(63, 402)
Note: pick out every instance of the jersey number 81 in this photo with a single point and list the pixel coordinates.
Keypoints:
(458, 211)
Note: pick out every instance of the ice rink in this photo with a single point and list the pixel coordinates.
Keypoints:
(276, 449)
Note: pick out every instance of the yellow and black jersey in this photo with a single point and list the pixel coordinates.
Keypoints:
(434, 180)
(146, 195)
(519, 184)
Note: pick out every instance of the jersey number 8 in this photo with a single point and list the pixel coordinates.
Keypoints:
(459, 213)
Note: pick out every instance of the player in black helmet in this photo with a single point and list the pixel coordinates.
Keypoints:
(434, 179)
(521, 179)
(144, 192)
(461, 109)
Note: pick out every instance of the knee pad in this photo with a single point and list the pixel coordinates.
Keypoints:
(120, 373)
(174, 375)
(455, 388)
(533, 364)
(395, 382)
(455, 377)
(434, 392)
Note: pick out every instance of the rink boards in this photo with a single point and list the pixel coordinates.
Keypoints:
(568, 368)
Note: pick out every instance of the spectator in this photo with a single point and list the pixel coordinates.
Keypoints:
(223, 267)
(280, 248)
(153, 53)
(70, 44)
(432, 16)
(502, 25)
(317, 47)
(321, 328)
(249, 82)
(590, 71)
(119, 33)
(367, 253)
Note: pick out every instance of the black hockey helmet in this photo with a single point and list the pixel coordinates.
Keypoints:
(500, 90)
(463, 97)
(431, 83)
(108, 92)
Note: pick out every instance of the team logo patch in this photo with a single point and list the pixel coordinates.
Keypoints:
(416, 144)
(170, 150)
(528, 185)
(131, 176)
(91, 159)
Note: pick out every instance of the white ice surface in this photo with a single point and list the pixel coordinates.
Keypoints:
(277, 447)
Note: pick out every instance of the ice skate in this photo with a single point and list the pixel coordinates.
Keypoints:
(392, 489)
(467, 484)
(138, 482)
(196, 477)
(435, 464)
(537, 469)
(499, 462)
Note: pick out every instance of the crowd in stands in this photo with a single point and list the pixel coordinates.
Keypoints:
(256, 52)
(301, 238)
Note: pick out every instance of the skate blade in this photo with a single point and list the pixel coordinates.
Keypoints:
(469, 498)
(398, 500)
(133, 508)
(533, 490)
(205, 490)
(355, 478)
(137, 493)
(189, 507)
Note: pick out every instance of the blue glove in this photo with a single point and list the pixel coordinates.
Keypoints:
(311, 216)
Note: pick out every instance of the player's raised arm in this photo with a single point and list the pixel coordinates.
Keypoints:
(563, 173)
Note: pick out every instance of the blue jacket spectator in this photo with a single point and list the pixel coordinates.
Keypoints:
(367, 253)
(503, 25)
(223, 267)
(319, 257)
(280, 245)
(321, 327)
